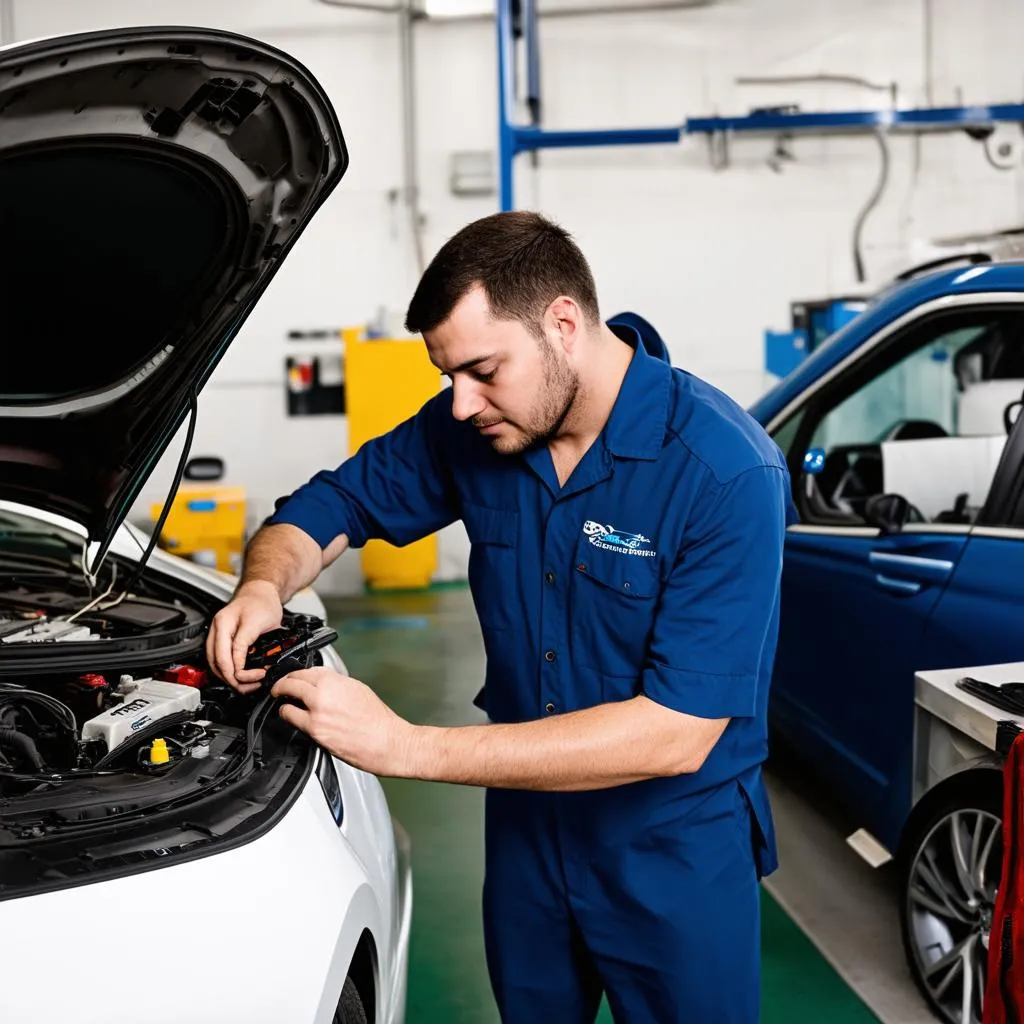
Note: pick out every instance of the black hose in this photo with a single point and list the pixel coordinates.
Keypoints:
(883, 180)
(178, 473)
(24, 744)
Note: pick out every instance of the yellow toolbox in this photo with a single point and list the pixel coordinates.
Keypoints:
(206, 524)
(386, 382)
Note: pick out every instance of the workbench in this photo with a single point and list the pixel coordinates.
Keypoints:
(954, 729)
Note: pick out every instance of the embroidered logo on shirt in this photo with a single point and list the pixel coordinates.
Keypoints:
(610, 539)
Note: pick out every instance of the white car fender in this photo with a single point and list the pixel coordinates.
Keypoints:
(300, 902)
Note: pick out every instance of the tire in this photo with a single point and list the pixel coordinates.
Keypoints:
(350, 1006)
(949, 868)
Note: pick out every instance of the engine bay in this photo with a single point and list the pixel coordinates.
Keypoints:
(119, 747)
(158, 760)
(105, 773)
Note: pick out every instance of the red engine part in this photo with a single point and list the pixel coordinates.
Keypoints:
(93, 680)
(185, 675)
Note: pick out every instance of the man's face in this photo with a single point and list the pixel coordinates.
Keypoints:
(515, 387)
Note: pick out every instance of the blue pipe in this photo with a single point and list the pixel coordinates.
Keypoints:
(506, 99)
(535, 138)
(939, 118)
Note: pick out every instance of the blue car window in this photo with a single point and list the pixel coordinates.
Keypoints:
(922, 416)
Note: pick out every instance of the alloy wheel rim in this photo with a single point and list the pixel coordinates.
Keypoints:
(950, 901)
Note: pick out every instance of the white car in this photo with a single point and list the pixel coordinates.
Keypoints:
(169, 850)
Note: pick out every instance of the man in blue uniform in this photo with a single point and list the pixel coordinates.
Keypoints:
(627, 524)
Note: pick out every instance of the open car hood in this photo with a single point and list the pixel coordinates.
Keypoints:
(151, 182)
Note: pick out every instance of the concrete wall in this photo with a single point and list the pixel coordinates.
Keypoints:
(711, 257)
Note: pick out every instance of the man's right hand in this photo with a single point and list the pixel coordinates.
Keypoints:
(255, 608)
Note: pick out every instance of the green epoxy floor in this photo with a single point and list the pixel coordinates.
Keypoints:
(422, 653)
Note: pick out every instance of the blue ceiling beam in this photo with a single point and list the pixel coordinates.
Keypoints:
(514, 139)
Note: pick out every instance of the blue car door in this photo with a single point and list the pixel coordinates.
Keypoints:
(863, 579)
(855, 612)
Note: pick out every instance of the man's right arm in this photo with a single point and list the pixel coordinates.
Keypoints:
(279, 561)
(287, 559)
(396, 487)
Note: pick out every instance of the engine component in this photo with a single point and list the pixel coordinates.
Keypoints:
(141, 614)
(284, 650)
(186, 675)
(158, 752)
(37, 731)
(145, 701)
(8, 626)
(86, 695)
(22, 744)
(61, 632)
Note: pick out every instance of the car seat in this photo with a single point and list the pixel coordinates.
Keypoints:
(981, 406)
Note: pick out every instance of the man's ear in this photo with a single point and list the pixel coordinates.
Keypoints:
(564, 320)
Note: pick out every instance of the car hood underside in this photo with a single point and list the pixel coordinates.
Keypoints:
(151, 182)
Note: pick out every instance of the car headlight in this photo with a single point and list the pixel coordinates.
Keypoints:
(329, 784)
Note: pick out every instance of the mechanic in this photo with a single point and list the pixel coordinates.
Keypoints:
(626, 523)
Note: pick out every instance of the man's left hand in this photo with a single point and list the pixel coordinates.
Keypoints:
(347, 718)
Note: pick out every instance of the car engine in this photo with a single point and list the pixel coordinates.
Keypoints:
(60, 728)
(120, 749)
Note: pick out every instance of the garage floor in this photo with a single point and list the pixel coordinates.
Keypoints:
(422, 653)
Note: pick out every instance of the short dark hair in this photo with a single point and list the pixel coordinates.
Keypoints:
(522, 260)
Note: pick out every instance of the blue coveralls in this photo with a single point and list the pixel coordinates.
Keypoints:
(654, 570)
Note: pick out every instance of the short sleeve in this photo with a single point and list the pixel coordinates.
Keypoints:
(714, 637)
(396, 487)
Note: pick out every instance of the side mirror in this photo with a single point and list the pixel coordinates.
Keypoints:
(889, 512)
(814, 461)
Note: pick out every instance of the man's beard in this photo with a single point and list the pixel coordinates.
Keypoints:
(561, 388)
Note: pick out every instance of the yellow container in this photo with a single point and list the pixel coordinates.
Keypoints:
(386, 382)
(206, 523)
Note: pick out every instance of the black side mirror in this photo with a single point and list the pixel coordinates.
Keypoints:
(889, 512)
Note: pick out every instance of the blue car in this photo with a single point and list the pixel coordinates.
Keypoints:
(907, 458)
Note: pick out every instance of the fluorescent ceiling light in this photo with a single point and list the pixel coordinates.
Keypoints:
(457, 8)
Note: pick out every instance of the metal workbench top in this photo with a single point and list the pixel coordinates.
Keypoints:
(937, 693)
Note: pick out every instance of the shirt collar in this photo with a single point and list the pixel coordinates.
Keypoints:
(636, 427)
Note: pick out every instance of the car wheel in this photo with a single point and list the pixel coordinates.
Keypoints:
(951, 863)
(350, 1006)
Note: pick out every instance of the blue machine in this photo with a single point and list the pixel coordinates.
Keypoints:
(811, 323)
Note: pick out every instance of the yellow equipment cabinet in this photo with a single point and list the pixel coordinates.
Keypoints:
(386, 382)
(206, 524)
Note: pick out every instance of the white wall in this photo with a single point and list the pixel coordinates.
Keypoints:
(711, 257)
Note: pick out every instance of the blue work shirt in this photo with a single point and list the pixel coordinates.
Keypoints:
(654, 570)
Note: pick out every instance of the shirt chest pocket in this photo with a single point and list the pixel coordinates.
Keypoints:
(614, 601)
(493, 535)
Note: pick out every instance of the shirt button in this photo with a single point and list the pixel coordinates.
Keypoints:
(550, 577)
(549, 708)
(549, 655)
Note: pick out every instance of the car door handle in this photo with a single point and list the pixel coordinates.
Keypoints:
(897, 586)
(912, 567)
